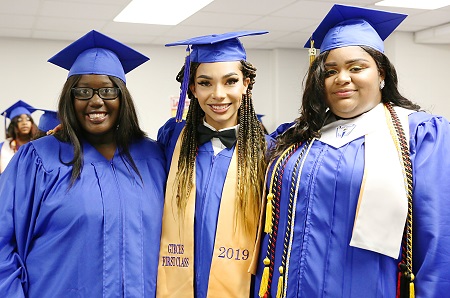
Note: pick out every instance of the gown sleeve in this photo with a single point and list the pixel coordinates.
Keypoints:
(22, 185)
(430, 148)
(1, 145)
(168, 136)
(281, 129)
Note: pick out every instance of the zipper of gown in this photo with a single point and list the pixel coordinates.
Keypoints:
(307, 215)
(213, 160)
(121, 226)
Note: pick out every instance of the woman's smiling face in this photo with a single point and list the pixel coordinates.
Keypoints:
(97, 117)
(219, 87)
(352, 81)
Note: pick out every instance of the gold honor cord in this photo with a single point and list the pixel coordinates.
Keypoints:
(293, 191)
(405, 287)
(271, 218)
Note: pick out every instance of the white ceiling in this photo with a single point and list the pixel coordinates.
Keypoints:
(289, 22)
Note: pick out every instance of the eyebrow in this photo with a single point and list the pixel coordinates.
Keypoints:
(210, 78)
(347, 61)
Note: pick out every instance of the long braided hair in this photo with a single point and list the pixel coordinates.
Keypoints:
(251, 146)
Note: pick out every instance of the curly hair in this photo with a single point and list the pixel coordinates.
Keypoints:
(313, 111)
(127, 131)
(251, 146)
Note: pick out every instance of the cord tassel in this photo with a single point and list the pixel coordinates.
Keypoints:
(269, 208)
(405, 288)
(312, 52)
(412, 293)
(265, 278)
(280, 283)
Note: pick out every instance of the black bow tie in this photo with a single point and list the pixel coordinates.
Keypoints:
(227, 137)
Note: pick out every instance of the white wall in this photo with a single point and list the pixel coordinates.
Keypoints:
(423, 72)
(26, 74)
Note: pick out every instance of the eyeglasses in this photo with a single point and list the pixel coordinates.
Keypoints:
(86, 93)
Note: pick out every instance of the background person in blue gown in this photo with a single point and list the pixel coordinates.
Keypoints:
(48, 123)
(80, 210)
(217, 164)
(21, 130)
(360, 182)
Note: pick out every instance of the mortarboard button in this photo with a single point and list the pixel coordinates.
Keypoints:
(96, 53)
(354, 26)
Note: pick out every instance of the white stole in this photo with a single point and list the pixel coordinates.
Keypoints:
(382, 204)
(5, 154)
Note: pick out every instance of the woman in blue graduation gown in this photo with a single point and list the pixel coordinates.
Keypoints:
(216, 162)
(81, 210)
(359, 183)
(20, 130)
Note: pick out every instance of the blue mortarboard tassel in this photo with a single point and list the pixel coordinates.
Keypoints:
(184, 85)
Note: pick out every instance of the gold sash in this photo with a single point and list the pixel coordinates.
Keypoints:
(233, 248)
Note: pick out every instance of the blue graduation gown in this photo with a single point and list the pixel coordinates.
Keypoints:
(210, 174)
(98, 238)
(322, 264)
(1, 145)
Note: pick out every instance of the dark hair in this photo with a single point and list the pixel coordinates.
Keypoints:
(127, 131)
(251, 151)
(313, 111)
(13, 125)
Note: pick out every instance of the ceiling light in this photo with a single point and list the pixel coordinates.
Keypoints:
(157, 12)
(418, 4)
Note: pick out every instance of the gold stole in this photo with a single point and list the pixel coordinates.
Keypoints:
(233, 247)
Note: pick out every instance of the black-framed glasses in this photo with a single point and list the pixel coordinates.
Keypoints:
(86, 93)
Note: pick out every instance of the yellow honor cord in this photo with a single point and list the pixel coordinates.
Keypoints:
(269, 207)
(265, 278)
(280, 283)
(412, 293)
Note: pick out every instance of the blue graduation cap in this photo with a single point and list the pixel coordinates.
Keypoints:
(354, 26)
(49, 120)
(17, 109)
(259, 116)
(209, 49)
(96, 53)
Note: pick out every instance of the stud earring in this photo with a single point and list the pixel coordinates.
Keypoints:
(382, 85)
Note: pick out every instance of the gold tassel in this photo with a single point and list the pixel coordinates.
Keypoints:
(312, 52)
(269, 207)
(412, 294)
(280, 283)
(265, 278)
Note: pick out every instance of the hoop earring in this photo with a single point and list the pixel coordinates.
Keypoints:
(382, 85)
